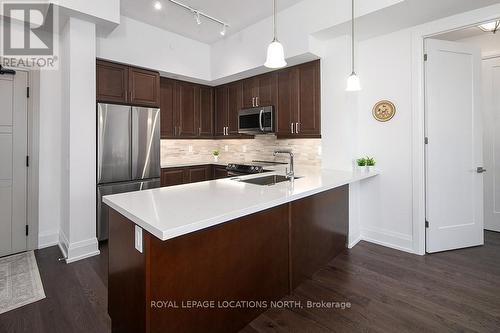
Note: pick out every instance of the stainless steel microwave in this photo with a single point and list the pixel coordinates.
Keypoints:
(256, 120)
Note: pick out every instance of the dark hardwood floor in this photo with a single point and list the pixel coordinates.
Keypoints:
(76, 297)
(389, 291)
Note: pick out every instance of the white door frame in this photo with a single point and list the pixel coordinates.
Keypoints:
(419, 34)
(33, 152)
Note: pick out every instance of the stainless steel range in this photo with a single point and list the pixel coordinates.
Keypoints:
(244, 169)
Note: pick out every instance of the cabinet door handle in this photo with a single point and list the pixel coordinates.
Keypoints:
(253, 101)
(297, 128)
(199, 130)
(257, 101)
(291, 127)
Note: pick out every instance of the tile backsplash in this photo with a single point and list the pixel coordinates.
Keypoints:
(307, 151)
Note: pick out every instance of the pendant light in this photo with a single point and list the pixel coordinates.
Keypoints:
(353, 82)
(275, 51)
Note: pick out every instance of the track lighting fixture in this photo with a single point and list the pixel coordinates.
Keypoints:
(197, 14)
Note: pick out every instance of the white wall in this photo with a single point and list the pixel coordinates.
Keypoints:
(386, 201)
(49, 216)
(488, 42)
(143, 45)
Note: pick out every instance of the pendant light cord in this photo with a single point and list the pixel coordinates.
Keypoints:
(275, 19)
(352, 33)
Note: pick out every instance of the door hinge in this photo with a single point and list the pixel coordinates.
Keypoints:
(27, 161)
(426, 140)
(427, 224)
(425, 57)
(27, 230)
(28, 92)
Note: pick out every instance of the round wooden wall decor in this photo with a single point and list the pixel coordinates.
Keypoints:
(384, 111)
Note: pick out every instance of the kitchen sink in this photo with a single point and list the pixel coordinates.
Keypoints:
(266, 180)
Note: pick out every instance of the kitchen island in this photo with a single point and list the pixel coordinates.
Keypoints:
(213, 254)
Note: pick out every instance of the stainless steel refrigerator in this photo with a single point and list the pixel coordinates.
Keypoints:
(128, 154)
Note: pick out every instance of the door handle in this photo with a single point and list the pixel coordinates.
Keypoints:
(260, 120)
(481, 170)
(291, 128)
(253, 101)
(297, 128)
(257, 101)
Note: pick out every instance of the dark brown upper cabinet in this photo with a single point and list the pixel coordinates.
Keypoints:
(233, 107)
(122, 84)
(144, 87)
(228, 103)
(190, 110)
(298, 110)
(221, 107)
(167, 107)
(259, 91)
(187, 110)
(207, 104)
(112, 82)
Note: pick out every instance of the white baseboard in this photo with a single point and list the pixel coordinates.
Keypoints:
(48, 238)
(79, 250)
(389, 239)
(355, 242)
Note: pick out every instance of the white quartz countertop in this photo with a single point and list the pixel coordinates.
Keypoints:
(174, 211)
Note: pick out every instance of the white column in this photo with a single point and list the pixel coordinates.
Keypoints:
(78, 221)
(339, 122)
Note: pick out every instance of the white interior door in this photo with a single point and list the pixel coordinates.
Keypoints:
(454, 187)
(13, 171)
(491, 110)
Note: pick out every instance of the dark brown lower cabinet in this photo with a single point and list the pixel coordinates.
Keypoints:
(173, 176)
(319, 226)
(260, 257)
(186, 175)
(199, 174)
(219, 172)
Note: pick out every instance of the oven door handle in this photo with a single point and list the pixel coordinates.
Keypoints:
(260, 120)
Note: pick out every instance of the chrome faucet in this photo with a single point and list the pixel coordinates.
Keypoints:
(289, 174)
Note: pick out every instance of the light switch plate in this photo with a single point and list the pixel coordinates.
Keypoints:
(138, 238)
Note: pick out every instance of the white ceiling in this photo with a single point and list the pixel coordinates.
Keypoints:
(238, 13)
(461, 34)
(403, 15)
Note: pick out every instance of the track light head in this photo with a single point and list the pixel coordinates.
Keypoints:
(224, 30)
(197, 17)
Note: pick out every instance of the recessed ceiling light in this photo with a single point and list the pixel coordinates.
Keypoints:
(490, 26)
(158, 5)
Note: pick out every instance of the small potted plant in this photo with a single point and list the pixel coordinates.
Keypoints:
(216, 154)
(361, 163)
(370, 164)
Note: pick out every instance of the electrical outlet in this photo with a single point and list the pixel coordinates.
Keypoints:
(226, 148)
(244, 148)
(190, 148)
(320, 150)
(138, 238)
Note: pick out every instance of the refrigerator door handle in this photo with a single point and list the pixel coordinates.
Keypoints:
(145, 143)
